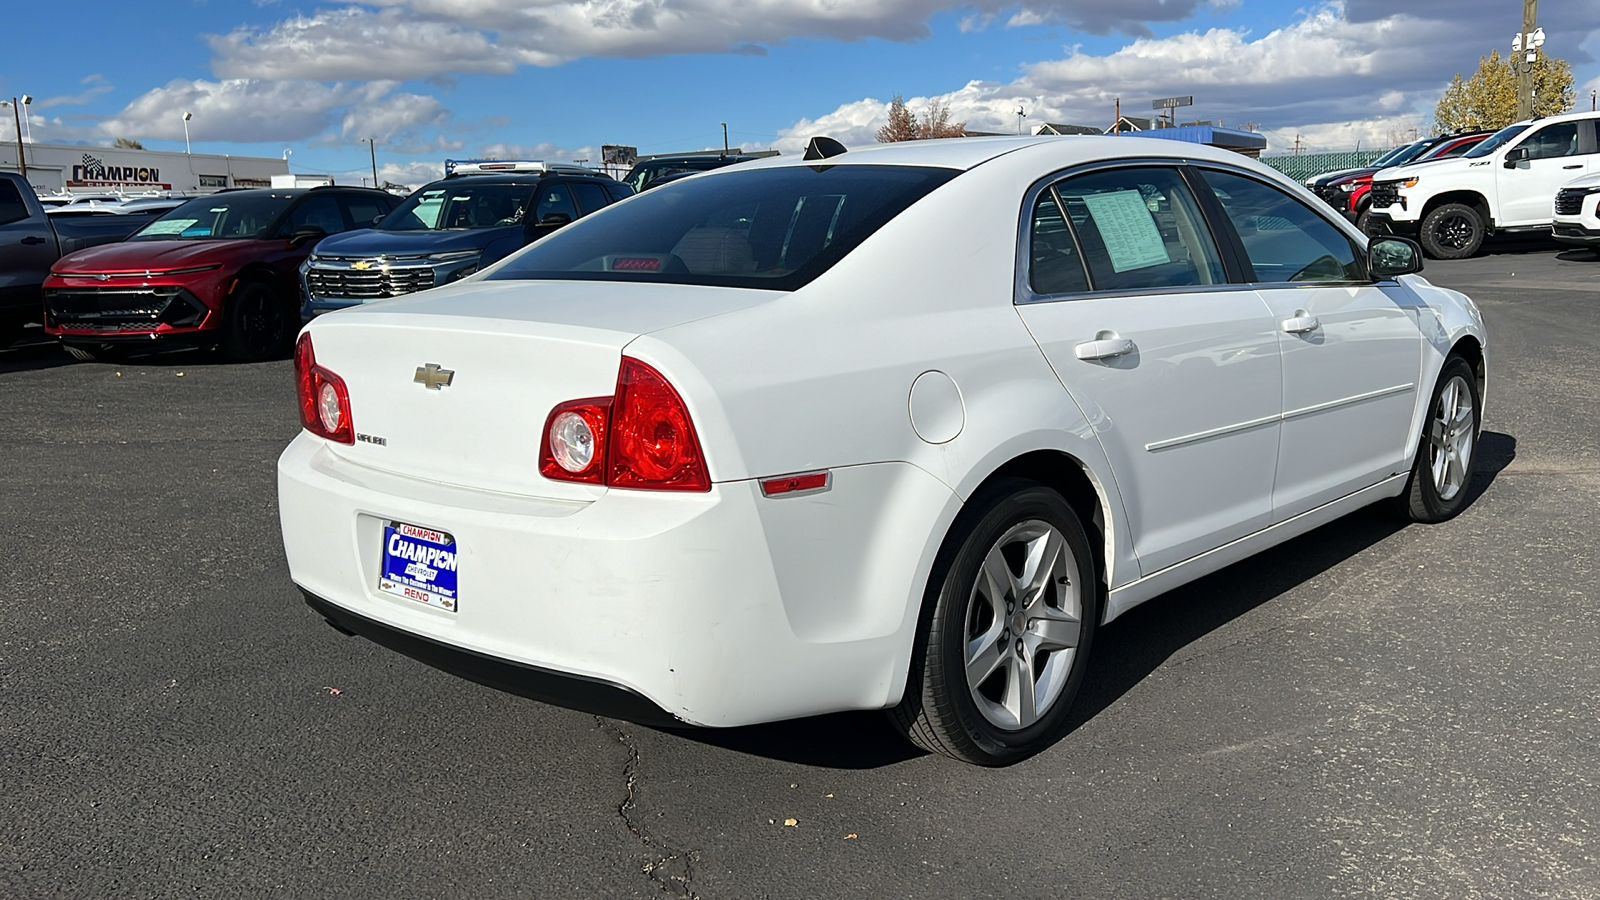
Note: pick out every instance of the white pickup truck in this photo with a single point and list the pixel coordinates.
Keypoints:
(1504, 185)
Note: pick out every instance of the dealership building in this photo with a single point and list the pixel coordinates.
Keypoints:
(81, 169)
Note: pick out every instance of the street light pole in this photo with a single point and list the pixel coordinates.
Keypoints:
(725, 139)
(27, 100)
(16, 116)
(186, 117)
(372, 151)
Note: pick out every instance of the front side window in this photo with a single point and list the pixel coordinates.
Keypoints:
(363, 209)
(1284, 239)
(461, 205)
(323, 212)
(773, 228)
(1560, 139)
(219, 216)
(1140, 228)
(554, 200)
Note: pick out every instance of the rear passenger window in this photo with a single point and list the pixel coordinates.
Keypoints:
(1055, 266)
(1140, 228)
(363, 210)
(590, 196)
(1284, 240)
(12, 209)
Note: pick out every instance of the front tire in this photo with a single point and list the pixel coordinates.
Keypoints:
(257, 325)
(1009, 615)
(1453, 231)
(1442, 471)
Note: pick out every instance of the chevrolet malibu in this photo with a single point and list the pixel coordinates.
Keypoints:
(895, 428)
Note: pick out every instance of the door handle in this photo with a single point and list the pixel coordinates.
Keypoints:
(33, 239)
(1573, 167)
(1300, 323)
(1104, 348)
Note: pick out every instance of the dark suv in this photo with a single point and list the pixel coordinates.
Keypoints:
(662, 169)
(449, 229)
(218, 271)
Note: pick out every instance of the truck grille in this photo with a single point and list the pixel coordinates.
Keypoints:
(376, 283)
(122, 308)
(1385, 193)
(1569, 201)
(1331, 195)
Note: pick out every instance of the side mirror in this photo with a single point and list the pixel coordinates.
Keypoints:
(555, 220)
(307, 234)
(1391, 257)
(1514, 156)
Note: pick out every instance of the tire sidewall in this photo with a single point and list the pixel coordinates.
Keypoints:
(1439, 251)
(1003, 509)
(236, 343)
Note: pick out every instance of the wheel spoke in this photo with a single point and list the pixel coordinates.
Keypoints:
(1038, 571)
(995, 583)
(1436, 431)
(1053, 631)
(1019, 697)
(1456, 470)
(985, 654)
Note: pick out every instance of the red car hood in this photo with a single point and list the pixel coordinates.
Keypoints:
(155, 256)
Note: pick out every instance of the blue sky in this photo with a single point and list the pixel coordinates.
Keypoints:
(556, 78)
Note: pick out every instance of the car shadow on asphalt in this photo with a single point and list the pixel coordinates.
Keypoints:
(1580, 254)
(1126, 651)
(36, 354)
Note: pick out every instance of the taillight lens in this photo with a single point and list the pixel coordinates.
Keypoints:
(324, 401)
(574, 444)
(640, 438)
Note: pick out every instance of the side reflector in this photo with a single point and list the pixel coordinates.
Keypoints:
(792, 485)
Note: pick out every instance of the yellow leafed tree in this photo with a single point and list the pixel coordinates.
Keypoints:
(1489, 98)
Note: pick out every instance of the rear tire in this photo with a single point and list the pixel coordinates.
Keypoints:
(1363, 219)
(1442, 471)
(257, 326)
(1453, 231)
(1008, 617)
(10, 333)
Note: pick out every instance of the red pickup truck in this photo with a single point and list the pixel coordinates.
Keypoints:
(220, 271)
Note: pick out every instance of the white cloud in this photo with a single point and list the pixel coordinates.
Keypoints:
(246, 110)
(96, 86)
(1330, 80)
(411, 39)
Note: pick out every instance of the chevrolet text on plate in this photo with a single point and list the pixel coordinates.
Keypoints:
(895, 428)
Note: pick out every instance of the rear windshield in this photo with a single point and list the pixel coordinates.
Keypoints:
(216, 217)
(460, 205)
(773, 228)
(1496, 141)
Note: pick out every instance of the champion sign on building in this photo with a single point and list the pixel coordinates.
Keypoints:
(93, 172)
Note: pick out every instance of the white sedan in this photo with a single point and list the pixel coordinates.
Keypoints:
(895, 428)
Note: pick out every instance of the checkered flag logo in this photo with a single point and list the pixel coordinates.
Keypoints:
(90, 162)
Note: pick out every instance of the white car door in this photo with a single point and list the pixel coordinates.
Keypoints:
(1352, 349)
(1557, 153)
(1172, 361)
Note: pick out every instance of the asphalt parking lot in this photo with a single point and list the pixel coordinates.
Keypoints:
(1368, 710)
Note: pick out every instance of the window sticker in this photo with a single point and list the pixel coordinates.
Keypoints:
(170, 226)
(1129, 231)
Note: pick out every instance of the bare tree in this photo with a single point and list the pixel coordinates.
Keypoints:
(127, 144)
(902, 123)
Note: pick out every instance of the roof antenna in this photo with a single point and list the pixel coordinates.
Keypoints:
(822, 148)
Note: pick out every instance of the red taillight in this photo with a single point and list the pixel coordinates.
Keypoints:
(641, 437)
(324, 401)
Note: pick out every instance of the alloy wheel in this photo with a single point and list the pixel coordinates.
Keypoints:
(1452, 430)
(1023, 624)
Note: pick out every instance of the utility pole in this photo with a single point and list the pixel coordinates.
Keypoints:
(1530, 15)
(372, 151)
(725, 138)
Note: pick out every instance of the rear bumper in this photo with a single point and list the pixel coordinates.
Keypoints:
(719, 609)
(590, 695)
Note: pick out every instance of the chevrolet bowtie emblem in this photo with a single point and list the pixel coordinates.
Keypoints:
(362, 264)
(434, 378)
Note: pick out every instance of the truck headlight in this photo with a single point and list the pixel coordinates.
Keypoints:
(1348, 188)
(1409, 182)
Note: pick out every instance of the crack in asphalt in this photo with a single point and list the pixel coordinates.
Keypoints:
(670, 870)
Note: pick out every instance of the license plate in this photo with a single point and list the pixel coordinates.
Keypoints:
(419, 564)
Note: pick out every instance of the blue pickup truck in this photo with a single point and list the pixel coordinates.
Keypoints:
(31, 241)
(481, 211)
